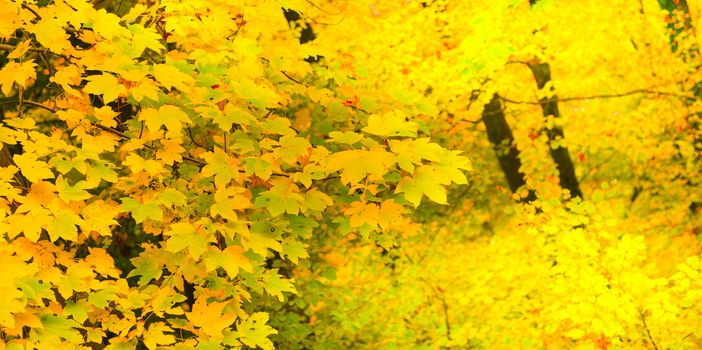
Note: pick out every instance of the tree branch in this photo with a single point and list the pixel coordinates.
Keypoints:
(623, 94)
(7, 47)
(291, 78)
(648, 332)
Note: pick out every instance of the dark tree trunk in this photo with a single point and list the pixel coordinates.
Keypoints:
(500, 135)
(560, 155)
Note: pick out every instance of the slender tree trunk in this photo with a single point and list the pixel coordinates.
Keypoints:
(560, 155)
(566, 170)
(500, 135)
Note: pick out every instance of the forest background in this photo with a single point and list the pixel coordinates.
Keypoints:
(302, 174)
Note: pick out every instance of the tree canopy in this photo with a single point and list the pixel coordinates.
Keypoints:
(302, 174)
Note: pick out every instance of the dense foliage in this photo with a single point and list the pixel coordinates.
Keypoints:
(331, 174)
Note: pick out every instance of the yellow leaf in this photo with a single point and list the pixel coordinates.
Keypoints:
(106, 85)
(234, 260)
(425, 180)
(19, 73)
(106, 116)
(156, 335)
(355, 165)
(172, 117)
(50, 34)
(210, 317)
(34, 170)
(228, 199)
(390, 124)
(137, 164)
(363, 213)
(19, 50)
(170, 77)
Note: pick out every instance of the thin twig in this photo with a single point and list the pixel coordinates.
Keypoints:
(291, 78)
(24, 6)
(7, 47)
(648, 332)
(623, 94)
(192, 139)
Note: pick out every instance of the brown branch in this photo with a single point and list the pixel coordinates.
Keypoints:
(291, 78)
(7, 47)
(24, 6)
(623, 94)
(192, 139)
(648, 332)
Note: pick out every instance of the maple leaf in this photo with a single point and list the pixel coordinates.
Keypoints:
(412, 152)
(209, 317)
(170, 76)
(316, 200)
(12, 300)
(347, 137)
(60, 327)
(19, 73)
(228, 199)
(222, 166)
(67, 77)
(231, 115)
(171, 197)
(425, 181)
(157, 334)
(20, 49)
(355, 165)
(106, 85)
(253, 331)
(231, 259)
(144, 38)
(390, 124)
(170, 116)
(184, 235)
(64, 225)
(31, 168)
(142, 211)
(260, 96)
(294, 250)
(50, 34)
(258, 167)
(69, 193)
(148, 265)
(283, 197)
(292, 147)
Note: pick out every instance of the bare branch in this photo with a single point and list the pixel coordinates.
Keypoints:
(623, 94)
(289, 77)
(7, 47)
(648, 332)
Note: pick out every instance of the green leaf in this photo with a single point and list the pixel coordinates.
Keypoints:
(294, 250)
(183, 235)
(275, 284)
(281, 198)
(347, 137)
(171, 197)
(254, 331)
(59, 326)
(142, 211)
(258, 167)
(223, 167)
(148, 266)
